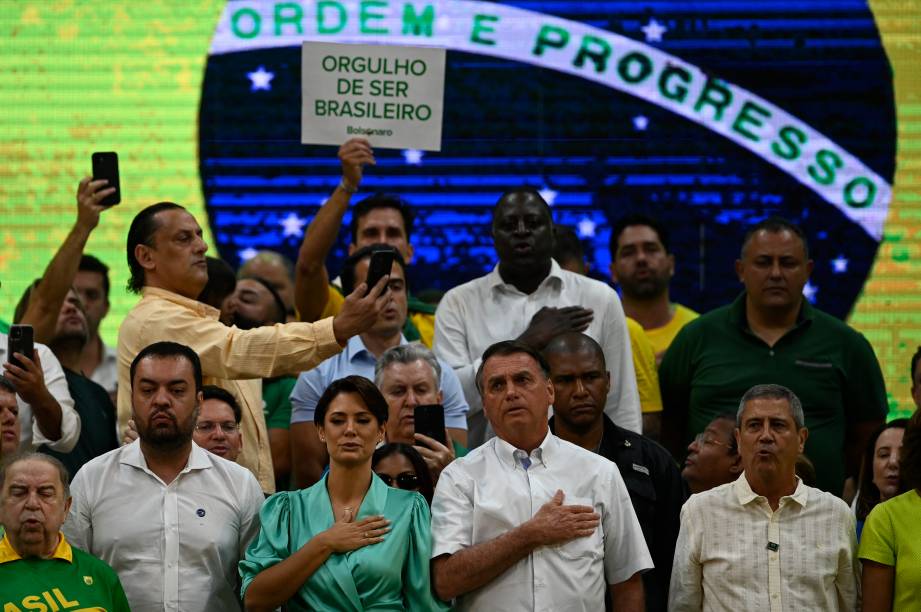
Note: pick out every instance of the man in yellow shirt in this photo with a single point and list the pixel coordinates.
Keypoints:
(166, 256)
(378, 219)
(642, 266)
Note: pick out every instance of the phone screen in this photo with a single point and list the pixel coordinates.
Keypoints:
(105, 166)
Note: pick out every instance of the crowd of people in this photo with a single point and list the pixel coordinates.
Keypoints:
(251, 442)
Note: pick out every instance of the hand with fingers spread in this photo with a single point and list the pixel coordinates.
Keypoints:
(550, 322)
(437, 456)
(354, 155)
(557, 523)
(346, 535)
(89, 195)
(359, 311)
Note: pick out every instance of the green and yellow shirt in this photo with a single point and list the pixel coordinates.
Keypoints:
(70, 581)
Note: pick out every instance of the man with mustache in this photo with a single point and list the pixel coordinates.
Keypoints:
(171, 518)
(217, 429)
(39, 569)
(772, 334)
(529, 298)
(766, 541)
(166, 258)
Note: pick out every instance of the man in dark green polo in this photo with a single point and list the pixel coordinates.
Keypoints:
(770, 334)
(39, 570)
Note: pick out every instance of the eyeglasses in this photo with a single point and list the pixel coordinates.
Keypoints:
(703, 438)
(406, 480)
(207, 427)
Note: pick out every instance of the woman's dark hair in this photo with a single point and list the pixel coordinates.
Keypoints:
(221, 282)
(359, 385)
(910, 456)
(868, 493)
(426, 486)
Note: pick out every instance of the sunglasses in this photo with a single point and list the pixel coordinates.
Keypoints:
(406, 480)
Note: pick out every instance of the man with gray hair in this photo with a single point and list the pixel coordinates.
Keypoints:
(409, 375)
(766, 541)
(38, 566)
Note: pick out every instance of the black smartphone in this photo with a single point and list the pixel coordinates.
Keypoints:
(20, 340)
(105, 166)
(381, 264)
(429, 420)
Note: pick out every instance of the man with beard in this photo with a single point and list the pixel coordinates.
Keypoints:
(91, 401)
(642, 266)
(38, 566)
(528, 297)
(171, 518)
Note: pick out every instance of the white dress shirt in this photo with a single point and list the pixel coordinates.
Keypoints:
(176, 546)
(106, 373)
(489, 492)
(477, 314)
(31, 436)
(735, 553)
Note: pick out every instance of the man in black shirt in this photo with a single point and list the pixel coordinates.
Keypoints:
(581, 384)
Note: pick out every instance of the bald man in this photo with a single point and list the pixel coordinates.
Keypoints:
(581, 384)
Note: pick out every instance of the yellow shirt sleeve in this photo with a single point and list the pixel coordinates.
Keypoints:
(644, 363)
(425, 323)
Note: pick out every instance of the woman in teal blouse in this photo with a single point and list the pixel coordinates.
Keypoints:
(349, 542)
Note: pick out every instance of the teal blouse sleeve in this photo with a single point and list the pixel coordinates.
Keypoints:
(272, 544)
(417, 584)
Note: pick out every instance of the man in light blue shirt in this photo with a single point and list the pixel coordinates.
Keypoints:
(359, 357)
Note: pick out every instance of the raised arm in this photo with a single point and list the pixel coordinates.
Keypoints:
(311, 284)
(45, 302)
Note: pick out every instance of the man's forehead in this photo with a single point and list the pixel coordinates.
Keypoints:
(510, 365)
(7, 399)
(165, 368)
(215, 409)
(408, 373)
(765, 242)
(88, 278)
(176, 219)
(767, 407)
(33, 472)
(637, 234)
(520, 205)
(385, 216)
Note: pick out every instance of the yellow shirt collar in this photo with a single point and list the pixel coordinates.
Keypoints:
(61, 551)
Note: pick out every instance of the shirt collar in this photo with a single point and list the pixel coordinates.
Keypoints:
(202, 310)
(199, 458)
(745, 495)
(356, 348)
(512, 455)
(494, 279)
(62, 551)
(738, 317)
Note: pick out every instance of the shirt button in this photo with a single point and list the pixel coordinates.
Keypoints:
(771, 353)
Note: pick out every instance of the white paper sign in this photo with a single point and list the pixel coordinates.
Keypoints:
(391, 95)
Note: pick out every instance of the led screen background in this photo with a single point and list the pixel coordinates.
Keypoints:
(190, 127)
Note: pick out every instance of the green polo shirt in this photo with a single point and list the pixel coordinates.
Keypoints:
(71, 579)
(831, 367)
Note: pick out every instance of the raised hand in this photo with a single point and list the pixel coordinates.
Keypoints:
(354, 155)
(89, 195)
(359, 311)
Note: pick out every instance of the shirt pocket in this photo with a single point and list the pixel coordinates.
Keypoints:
(589, 547)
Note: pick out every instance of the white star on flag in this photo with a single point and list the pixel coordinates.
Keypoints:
(294, 225)
(548, 195)
(809, 291)
(586, 228)
(247, 254)
(654, 31)
(640, 123)
(413, 157)
(261, 79)
(839, 264)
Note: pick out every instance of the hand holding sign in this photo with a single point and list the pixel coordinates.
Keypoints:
(354, 155)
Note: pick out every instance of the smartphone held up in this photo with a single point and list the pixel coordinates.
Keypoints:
(105, 166)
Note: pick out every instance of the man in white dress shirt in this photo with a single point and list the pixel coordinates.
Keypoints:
(172, 519)
(528, 297)
(527, 521)
(766, 541)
